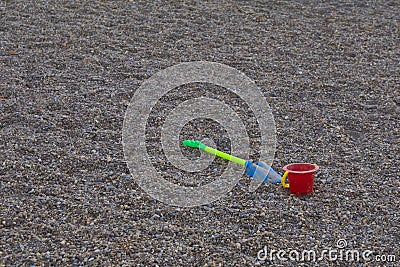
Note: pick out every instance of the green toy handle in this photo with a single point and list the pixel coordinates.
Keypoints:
(201, 146)
(194, 144)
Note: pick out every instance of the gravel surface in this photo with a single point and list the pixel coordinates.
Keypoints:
(330, 71)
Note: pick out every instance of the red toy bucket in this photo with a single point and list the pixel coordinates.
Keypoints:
(300, 176)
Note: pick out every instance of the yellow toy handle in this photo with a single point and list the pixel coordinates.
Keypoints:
(283, 181)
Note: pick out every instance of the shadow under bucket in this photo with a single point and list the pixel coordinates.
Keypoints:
(301, 177)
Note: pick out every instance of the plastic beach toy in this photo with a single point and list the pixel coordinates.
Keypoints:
(300, 176)
(258, 170)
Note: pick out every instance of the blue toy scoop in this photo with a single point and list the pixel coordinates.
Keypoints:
(262, 172)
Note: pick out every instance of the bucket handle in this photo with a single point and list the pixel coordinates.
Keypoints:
(283, 181)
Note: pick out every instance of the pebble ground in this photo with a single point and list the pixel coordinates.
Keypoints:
(329, 70)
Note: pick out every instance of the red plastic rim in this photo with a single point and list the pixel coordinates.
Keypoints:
(301, 168)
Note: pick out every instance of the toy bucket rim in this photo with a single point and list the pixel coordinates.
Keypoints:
(316, 168)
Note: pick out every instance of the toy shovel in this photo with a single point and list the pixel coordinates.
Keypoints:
(258, 170)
